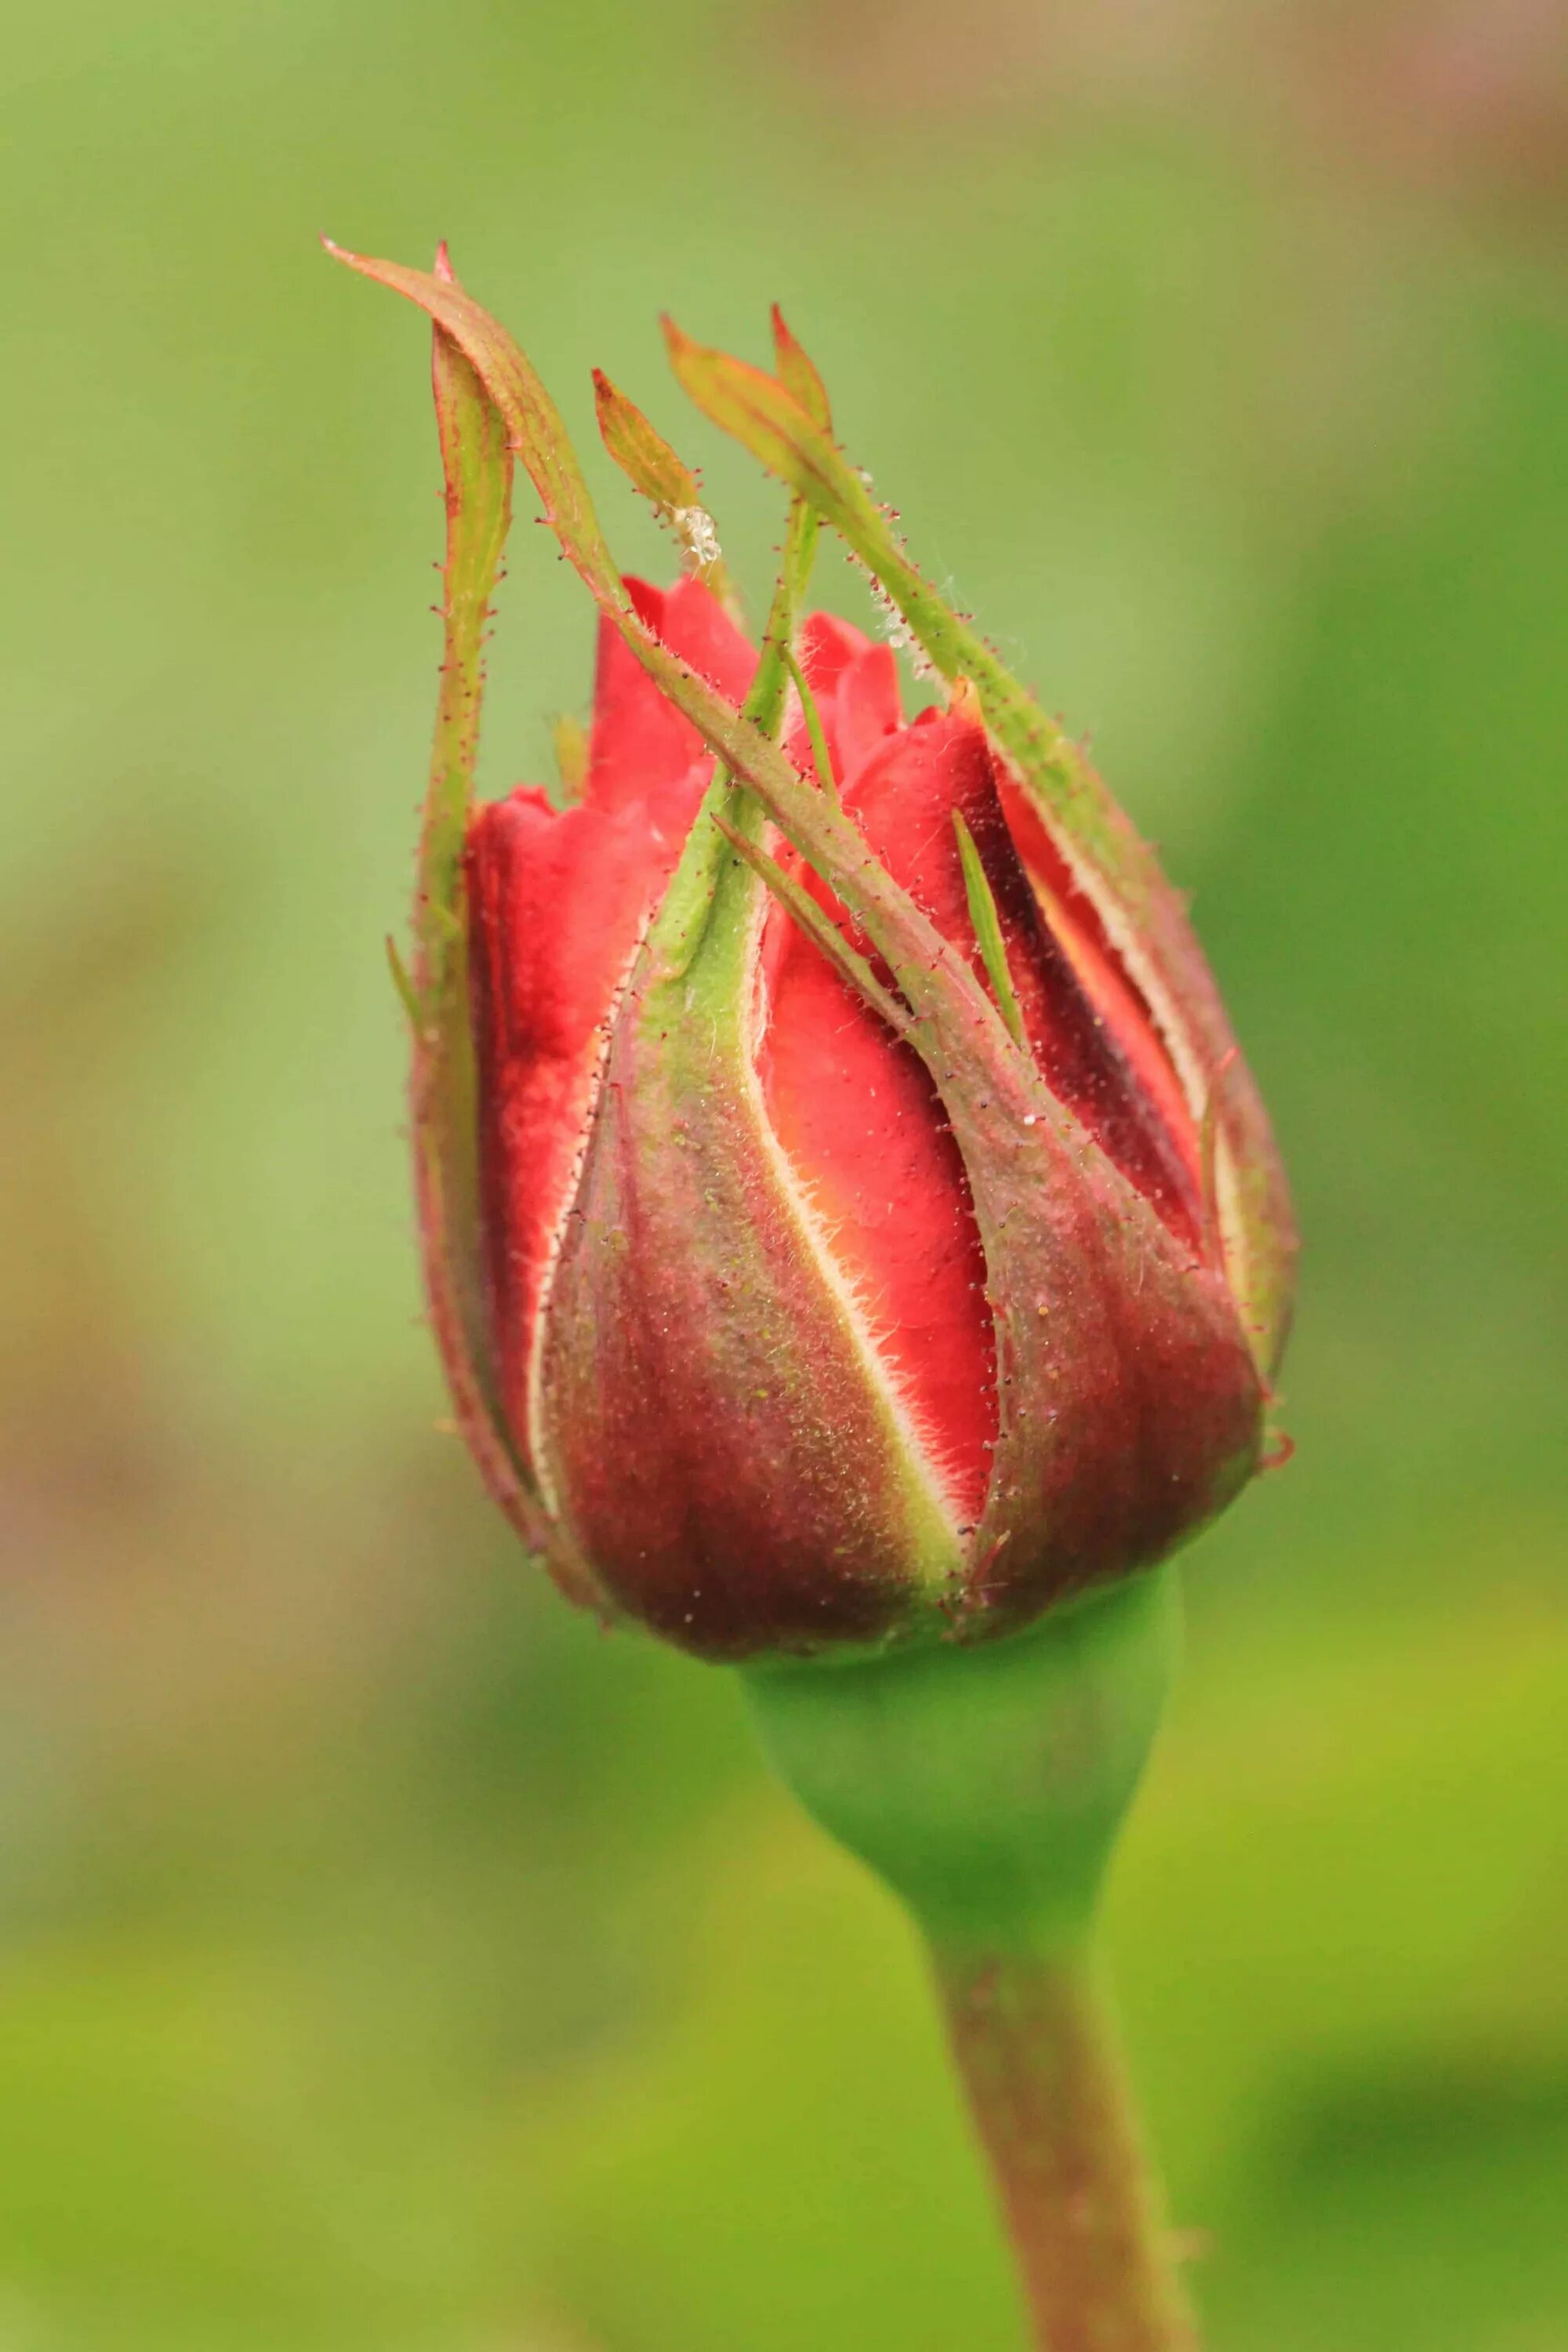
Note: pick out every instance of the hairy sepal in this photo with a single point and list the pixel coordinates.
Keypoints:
(710, 1414)
(478, 470)
(717, 1424)
(1144, 917)
(666, 482)
(1130, 1405)
(798, 372)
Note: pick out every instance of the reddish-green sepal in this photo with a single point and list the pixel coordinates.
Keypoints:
(669, 484)
(1144, 919)
(534, 431)
(477, 467)
(820, 927)
(718, 1427)
(988, 926)
(796, 370)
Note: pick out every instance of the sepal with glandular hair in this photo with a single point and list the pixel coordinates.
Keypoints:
(744, 1378)
(443, 1083)
(668, 483)
(1103, 884)
(709, 1405)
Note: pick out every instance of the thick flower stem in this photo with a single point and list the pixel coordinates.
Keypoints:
(987, 1786)
(1038, 2053)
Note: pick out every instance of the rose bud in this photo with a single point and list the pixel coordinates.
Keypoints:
(847, 1218)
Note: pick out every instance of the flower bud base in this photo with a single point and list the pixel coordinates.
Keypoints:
(987, 1786)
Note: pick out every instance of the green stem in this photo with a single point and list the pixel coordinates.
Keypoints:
(1039, 2058)
(987, 1786)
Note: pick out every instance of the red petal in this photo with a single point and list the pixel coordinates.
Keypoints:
(855, 685)
(867, 707)
(698, 628)
(827, 646)
(860, 1121)
(641, 747)
(556, 906)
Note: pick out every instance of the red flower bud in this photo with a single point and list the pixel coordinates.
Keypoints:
(850, 1219)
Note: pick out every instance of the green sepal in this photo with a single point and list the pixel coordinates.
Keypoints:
(668, 483)
(531, 426)
(988, 926)
(1144, 918)
(568, 741)
(820, 927)
(477, 466)
(798, 372)
(682, 1155)
(822, 759)
(402, 981)
(706, 909)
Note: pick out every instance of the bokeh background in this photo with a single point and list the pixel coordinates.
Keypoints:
(390, 1962)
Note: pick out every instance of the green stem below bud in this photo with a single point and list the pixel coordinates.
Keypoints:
(987, 1786)
(1038, 2053)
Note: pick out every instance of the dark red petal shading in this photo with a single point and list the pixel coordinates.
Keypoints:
(1126, 1091)
(904, 801)
(861, 1121)
(1078, 1053)
(555, 905)
(1115, 997)
(640, 746)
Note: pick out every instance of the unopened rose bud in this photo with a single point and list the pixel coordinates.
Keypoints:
(873, 1234)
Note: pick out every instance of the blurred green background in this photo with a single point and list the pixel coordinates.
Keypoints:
(390, 1962)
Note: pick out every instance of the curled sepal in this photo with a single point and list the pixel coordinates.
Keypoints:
(478, 469)
(1073, 836)
(532, 429)
(669, 484)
